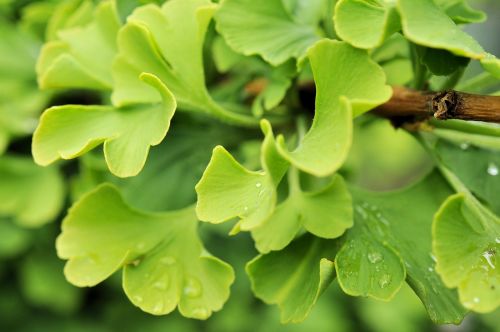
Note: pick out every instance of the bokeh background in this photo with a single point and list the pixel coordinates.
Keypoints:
(34, 295)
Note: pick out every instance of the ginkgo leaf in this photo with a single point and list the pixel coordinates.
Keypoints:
(150, 43)
(68, 131)
(424, 23)
(326, 213)
(366, 24)
(263, 27)
(466, 242)
(295, 277)
(477, 168)
(460, 11)
(227, 190)
(165, 265)
(29, 194)
(71, 61)
(348, 83)
(69, 14)
(392, 234)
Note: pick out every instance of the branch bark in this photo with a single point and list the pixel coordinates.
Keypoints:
(442, 105)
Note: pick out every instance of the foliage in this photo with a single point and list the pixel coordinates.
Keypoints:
(200, 110)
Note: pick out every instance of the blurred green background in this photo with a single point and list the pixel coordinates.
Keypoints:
(34, 295)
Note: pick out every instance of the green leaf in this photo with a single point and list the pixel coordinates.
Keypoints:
(460, 11)
(309, 12)
(165, 265)
(15, 239)
(40, 275)
(150, 43)
(326, 213)
(29, 194)
(72, 61)
(20, 99)
(477, 168)
(441, 62)
(348, 83)
(69, 14)
(424, 23)
(466, 242)
(366, 23)
(69, 131)
(295, 277)
(227, 190)
(263, 27)
(392, 233)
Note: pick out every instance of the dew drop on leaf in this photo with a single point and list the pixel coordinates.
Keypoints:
(258, 185)
(375, 257)
(168, 260)
(487, 255)
(158, 308)
(192, 287)
(476, 300)
(161, 284)
(200, 313)
(384, 281)
(492, 169)
(464, 145)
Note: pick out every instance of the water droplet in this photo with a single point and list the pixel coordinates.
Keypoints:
(492, 169)
(138, 299)
(375, 257)
(433, 257)
(430, 269)
(361, 212)
(192, 287)
(476, 300)
(245, 208)
(487, 255)
(158, 308)
(384, 281)
(200, 313)
(161, 284)
(168, 260)
(464, 145)
(497, 240)
(258, 184)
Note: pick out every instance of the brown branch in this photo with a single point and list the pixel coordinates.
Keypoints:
(442, 105)
(407, 104)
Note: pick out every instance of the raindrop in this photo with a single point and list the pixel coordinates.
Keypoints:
(168, 260)
(200, 313)
(362, 212)
(258, 184)
(158, 308)
(430, 269)
(375, 257)
(245, 208)
(464, 146)
(476, 300)
(192, 287)
(487, 255)
(161, 285)
(384, 281)
(492, 169)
